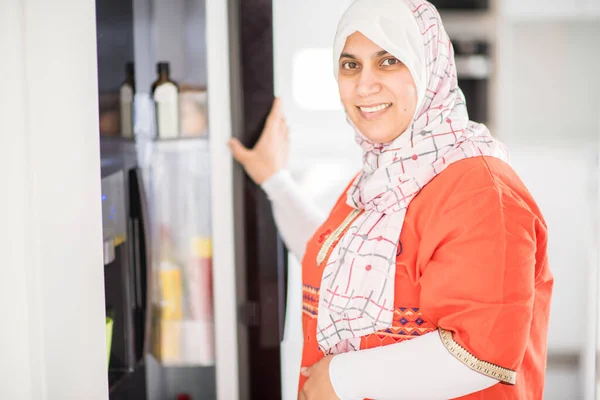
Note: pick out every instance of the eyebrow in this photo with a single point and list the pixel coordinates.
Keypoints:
(376, 55)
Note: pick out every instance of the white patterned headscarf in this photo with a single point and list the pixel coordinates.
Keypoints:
(357, 288)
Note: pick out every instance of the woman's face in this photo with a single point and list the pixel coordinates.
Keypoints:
(377, 90)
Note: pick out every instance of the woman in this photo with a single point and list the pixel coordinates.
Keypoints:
(435, 240)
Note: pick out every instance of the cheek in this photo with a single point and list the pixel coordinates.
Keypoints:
(406, 95)
(346, 94)
(412, 94)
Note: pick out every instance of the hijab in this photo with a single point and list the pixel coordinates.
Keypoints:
(357, 287)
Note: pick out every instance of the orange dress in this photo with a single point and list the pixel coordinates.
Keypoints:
(471, 261)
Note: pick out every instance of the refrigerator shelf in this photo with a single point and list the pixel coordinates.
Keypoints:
(128, 384)
(116, 376)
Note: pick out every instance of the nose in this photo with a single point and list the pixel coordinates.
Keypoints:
(368, 83)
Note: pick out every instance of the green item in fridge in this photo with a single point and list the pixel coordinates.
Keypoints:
(109, 331)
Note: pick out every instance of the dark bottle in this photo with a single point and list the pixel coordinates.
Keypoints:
(165, 94)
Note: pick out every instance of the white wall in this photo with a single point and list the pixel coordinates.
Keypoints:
(548, 115)
(551, 72)
(53, 336)
(15, 289)
(551, 122)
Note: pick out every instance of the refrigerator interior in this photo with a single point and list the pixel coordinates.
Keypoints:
(196, 195)
(180, 353)
(182, 359)
(124, 213)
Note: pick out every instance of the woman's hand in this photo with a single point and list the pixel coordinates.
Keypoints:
(269, 155)
(318, 386)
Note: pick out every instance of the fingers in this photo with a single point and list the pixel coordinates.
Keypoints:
(275, 113)
(239, 152)
(283, 126)
(276, 120)
(302, 395)
(276, 108)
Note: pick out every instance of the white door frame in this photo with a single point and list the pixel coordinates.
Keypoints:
(52, 282)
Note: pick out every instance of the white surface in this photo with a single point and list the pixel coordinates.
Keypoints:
(16, 288)
(311, 74)
(548, 115)
(593, 390)
(53, 336)
(546, 10)
(224, 280)
(593, 6)
(549, 100)
(547, 112)
(563, 383)
(565, 197)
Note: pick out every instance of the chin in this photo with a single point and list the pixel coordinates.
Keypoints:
(382, 130)
(377, 135)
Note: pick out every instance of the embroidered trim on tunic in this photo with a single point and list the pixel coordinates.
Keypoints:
(408, 323)
(335, 235)
(494, 371)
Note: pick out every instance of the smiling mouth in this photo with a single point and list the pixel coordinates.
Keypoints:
(373, 109)
(370, 112)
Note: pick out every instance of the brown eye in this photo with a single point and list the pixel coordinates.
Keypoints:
(388, 62)
(350, 65)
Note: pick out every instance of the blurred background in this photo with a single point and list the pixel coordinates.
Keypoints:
(200, 298)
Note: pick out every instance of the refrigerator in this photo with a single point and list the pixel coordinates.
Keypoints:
(215, 264)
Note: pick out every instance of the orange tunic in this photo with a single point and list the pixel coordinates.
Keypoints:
(471, 260)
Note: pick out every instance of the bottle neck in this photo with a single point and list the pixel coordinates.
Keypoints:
(163, 76)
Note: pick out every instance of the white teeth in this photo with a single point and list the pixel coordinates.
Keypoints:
(375, 108)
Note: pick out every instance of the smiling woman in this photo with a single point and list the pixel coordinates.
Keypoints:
(429, 278)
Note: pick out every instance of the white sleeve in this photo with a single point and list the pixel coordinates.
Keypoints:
(416, 369)
(296, 216)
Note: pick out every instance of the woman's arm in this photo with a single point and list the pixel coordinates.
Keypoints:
(296, 216)
(420, 368)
